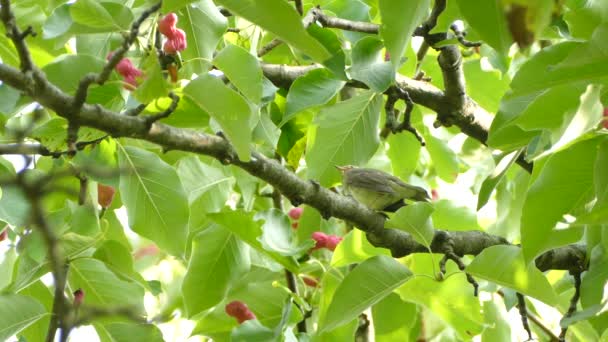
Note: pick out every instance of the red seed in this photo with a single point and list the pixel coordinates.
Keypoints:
(332, 242)
(239, 310)
(105, 195)
(312, 282)
(78, 297)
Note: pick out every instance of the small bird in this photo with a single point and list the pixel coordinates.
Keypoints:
(379, 190)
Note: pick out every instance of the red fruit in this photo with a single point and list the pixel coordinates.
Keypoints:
(167, 24)
(176, 43)
(320, 238)
(239, 310)
(105, 195)
(312, 282)
(294, 225)
(295, 213)
(605, 121)
(145, 251)
(332, 242)
(4, 234)
(78, 297)
(128, 71)
(434, 195)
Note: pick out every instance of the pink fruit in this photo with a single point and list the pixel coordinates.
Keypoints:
(4, 234)
(176, 43)
(332, 242)
(105, 195)
(167, 24)
(295, 213)
(320, 238)
(605, 121)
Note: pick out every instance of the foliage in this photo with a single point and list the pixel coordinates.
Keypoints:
(193, 233)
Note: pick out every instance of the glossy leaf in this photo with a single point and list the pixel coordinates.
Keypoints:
(345, 133)
(156, 203)
(277, 235)
(243, 70)
(281, 19)
(499, 172)
(369, 66)
(17, 312)
(364, 286)
(399, 19)
(227, 107)
(218, 259)
(416, 220)
(488, 20)
(208, 187)
(505, 265)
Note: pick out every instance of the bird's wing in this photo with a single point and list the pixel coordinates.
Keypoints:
(370, 179)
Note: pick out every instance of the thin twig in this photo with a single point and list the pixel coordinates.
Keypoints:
(18, 37)
(523, 312)
(573, 302)
(174, 102)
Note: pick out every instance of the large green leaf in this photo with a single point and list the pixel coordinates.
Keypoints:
(38, 330)
(368, 65)
(446, 162)
(505, 265)
(102, 287)
(416, 220)
(355, 248)
(227, 107)
(208, 187)
(278, 236)
(565, 181)
(346, 133)
(156, 203)
(315, 88)
(280, 18)
(218, 259)
(488, 185)
(106, 16)
(363, 287)
(394, 319)
(17, 312)
(243, 70)
(454, 215)
(403, 164)
(154, 85)
(247, 229)
(488, 20)
(130, 332)
(204, 26)
(399, 19)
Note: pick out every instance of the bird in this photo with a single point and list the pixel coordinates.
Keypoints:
(379, 190)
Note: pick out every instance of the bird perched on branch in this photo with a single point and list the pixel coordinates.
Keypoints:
(379, 190)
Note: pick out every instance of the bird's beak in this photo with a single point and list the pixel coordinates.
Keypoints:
(341, 168)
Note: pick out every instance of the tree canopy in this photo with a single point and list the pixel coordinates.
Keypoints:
(172, 166)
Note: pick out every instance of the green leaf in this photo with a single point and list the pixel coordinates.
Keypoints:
(505, 265)
(154, 85)
(354, 248)
(416, 220)
(489, 184)
(277, 235)
(204, 26)
(453, 215)
(66, 72)
(41, 293)
(172, 6)
(252, 331)
(243, 70)
(399, 20)
(17, 312)
(497, 321)
(243, 225)
(156, 203)
(444, 159)
(282, 20)
(106, 16)
(403, 164)
(102, 287)
(479, 80)
(315, 88)
(345, 133)
(208, 187)
(565, 181)
(364, 286)
(227, 107)
(488, 20)
(58, 23)
(369, 67)
(219, 258)
(584, 16)
(7, 266)
(393, 319)
(131, 332)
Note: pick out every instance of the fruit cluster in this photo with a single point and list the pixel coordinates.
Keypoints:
(176, 38)
(240, 311)
(295, 214)
(325, 241)
(128, 71)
